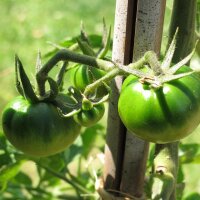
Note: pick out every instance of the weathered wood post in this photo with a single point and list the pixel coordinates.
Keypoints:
(138, 28)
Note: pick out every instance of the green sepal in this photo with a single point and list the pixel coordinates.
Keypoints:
(169, 54)
(75, 93)
(17, 82)
(66, 105)
(101, 100)
(83, 35)
(60, 76)
(38, 62)
(53, 92)
(25, 85)
(86, 104)
(106, 40)
(9, 172)
(86, 48)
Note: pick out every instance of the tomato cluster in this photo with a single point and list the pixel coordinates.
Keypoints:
(37, 126)
(44, 123)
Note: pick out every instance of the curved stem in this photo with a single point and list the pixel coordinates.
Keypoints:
(74, 184)
(110, 75)
(120, 70)
(67, 55)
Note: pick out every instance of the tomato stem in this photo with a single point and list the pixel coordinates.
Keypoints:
(67, 55)
(73, 182)
(118, 70)
(164, 170)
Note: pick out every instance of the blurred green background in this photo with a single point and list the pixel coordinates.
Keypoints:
(27, 26)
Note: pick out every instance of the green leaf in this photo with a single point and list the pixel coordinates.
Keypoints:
(86, 48)
(9, 172)
(89, 138)
(55, 163)
(66, 43)
(5, 159)
(189, 153)
(193, 196)
(5, 155)
(23, 178)
(95, 40)
(75, 150)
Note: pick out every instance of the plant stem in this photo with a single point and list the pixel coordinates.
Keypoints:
(30, 189)
(67, 55)
(183, 17)
(109, 76)
(73, 183)
(165, 171)
(120, 70)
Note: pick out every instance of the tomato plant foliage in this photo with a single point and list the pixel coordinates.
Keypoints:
(39, 129)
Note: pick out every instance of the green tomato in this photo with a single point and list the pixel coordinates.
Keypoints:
(38, 129)
(90, 117)
(83, 75)
(162, 115)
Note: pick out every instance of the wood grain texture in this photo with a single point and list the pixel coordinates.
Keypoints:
(148, 34)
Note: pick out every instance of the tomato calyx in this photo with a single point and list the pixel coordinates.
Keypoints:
(81, 103)
(157, 72)
(23, 84)
(26, 89)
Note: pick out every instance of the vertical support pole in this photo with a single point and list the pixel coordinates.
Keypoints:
(138, 28)
(148, 34)
(116, 132)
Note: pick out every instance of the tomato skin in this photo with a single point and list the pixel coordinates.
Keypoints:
(162, 115)
(83, 75)
(90, 117)
(37, 129)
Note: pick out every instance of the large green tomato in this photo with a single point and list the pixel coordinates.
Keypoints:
(162, 115)
(90, 117)
(83, 75)
(38, 129)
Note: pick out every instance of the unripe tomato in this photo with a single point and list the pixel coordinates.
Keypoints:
(38, 129)
(83, 75)
(90, 117)
(162, 115)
